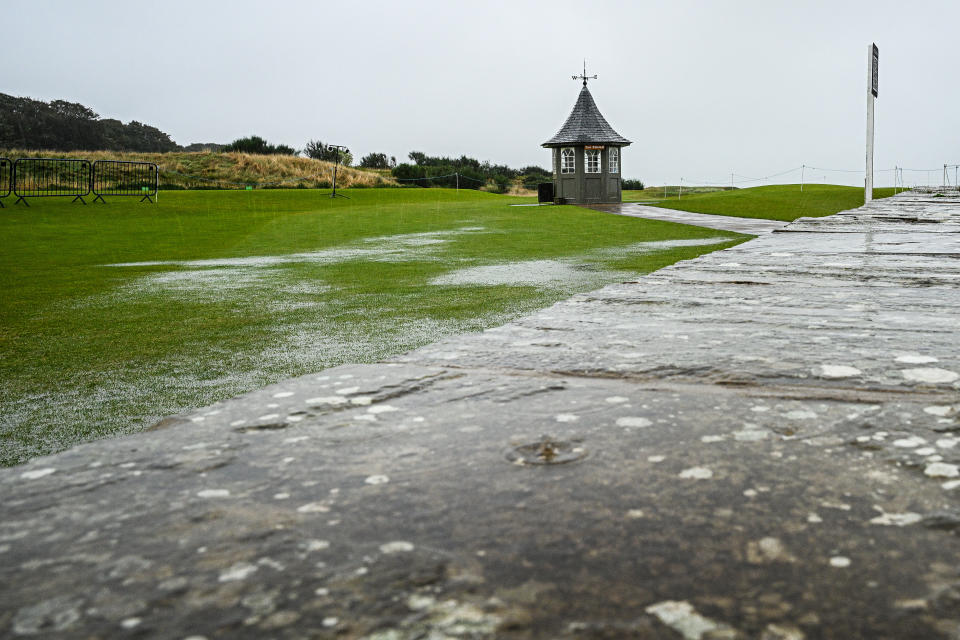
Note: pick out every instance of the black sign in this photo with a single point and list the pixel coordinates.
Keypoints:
(875, 76)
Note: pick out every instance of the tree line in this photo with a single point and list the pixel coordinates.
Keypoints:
(66, 126)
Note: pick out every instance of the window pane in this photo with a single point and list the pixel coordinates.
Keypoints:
(614, 160)
(591, 161)
(567, 161)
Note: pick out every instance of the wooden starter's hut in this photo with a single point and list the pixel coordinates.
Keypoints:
(586, 155)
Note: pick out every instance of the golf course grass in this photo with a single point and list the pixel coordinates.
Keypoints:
(114, 315)
(778, 202)
(664, 192)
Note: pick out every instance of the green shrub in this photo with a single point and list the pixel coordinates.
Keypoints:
(320, 151)
(375, 161)
(256, 144)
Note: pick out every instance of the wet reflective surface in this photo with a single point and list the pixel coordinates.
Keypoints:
(769, 447)
(753, 226)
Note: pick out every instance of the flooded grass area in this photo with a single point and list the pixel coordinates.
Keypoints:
(113, 316)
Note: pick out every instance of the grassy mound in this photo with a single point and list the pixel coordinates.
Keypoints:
(778, 202)
(114, 315)
(210, 170)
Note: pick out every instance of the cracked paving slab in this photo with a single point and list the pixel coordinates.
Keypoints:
(760, 443)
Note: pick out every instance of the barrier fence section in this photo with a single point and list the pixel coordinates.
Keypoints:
(47, 177)
(119, 178)
(6, 178)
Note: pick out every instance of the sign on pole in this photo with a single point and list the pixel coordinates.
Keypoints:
(873, 79)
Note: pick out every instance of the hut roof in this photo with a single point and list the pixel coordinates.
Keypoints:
(585, 125)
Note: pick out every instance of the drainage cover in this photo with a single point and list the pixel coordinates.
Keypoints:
(547, 451)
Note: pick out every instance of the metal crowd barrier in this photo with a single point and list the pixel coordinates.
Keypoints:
(118, 178)
(46, 177)
(6, 179)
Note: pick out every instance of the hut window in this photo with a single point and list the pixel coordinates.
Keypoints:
(591, 159)
(614, 160)
(567, 160)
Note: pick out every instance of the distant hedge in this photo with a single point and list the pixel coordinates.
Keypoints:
(437, 171)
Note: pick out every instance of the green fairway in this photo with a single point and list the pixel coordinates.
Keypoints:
(113, 315)
(665, 192)
(778, 202)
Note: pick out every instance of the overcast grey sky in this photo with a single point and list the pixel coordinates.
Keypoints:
(703, 89)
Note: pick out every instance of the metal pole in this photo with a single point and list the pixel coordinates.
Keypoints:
(337, 149)
(336, 164)
(802, 169)
(868, 178)
(680, 193)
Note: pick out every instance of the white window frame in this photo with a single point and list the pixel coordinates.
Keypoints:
(613, 158)
(567, 153)
(591, 160)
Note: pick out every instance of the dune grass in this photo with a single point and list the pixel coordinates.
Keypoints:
(778, 202)
(114, 315)
(214, 170)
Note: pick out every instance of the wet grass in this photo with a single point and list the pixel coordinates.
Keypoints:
(664, 192)
(226, 291)
(778, 202)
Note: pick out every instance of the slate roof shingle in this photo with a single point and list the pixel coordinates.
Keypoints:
(585, 125)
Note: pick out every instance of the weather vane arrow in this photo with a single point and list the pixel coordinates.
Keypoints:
(584, 75)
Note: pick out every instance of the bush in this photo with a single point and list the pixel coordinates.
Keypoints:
(408, 174)
(319, 151)
(502, 182)
(256, 144)
(375, 161)
(532, 176)
(632, 185)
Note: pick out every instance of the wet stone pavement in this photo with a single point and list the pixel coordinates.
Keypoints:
(763, 442)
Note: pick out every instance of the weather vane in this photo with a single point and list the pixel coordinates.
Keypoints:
(584, 76)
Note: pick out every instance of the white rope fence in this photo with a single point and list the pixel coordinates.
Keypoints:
(903, 177)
